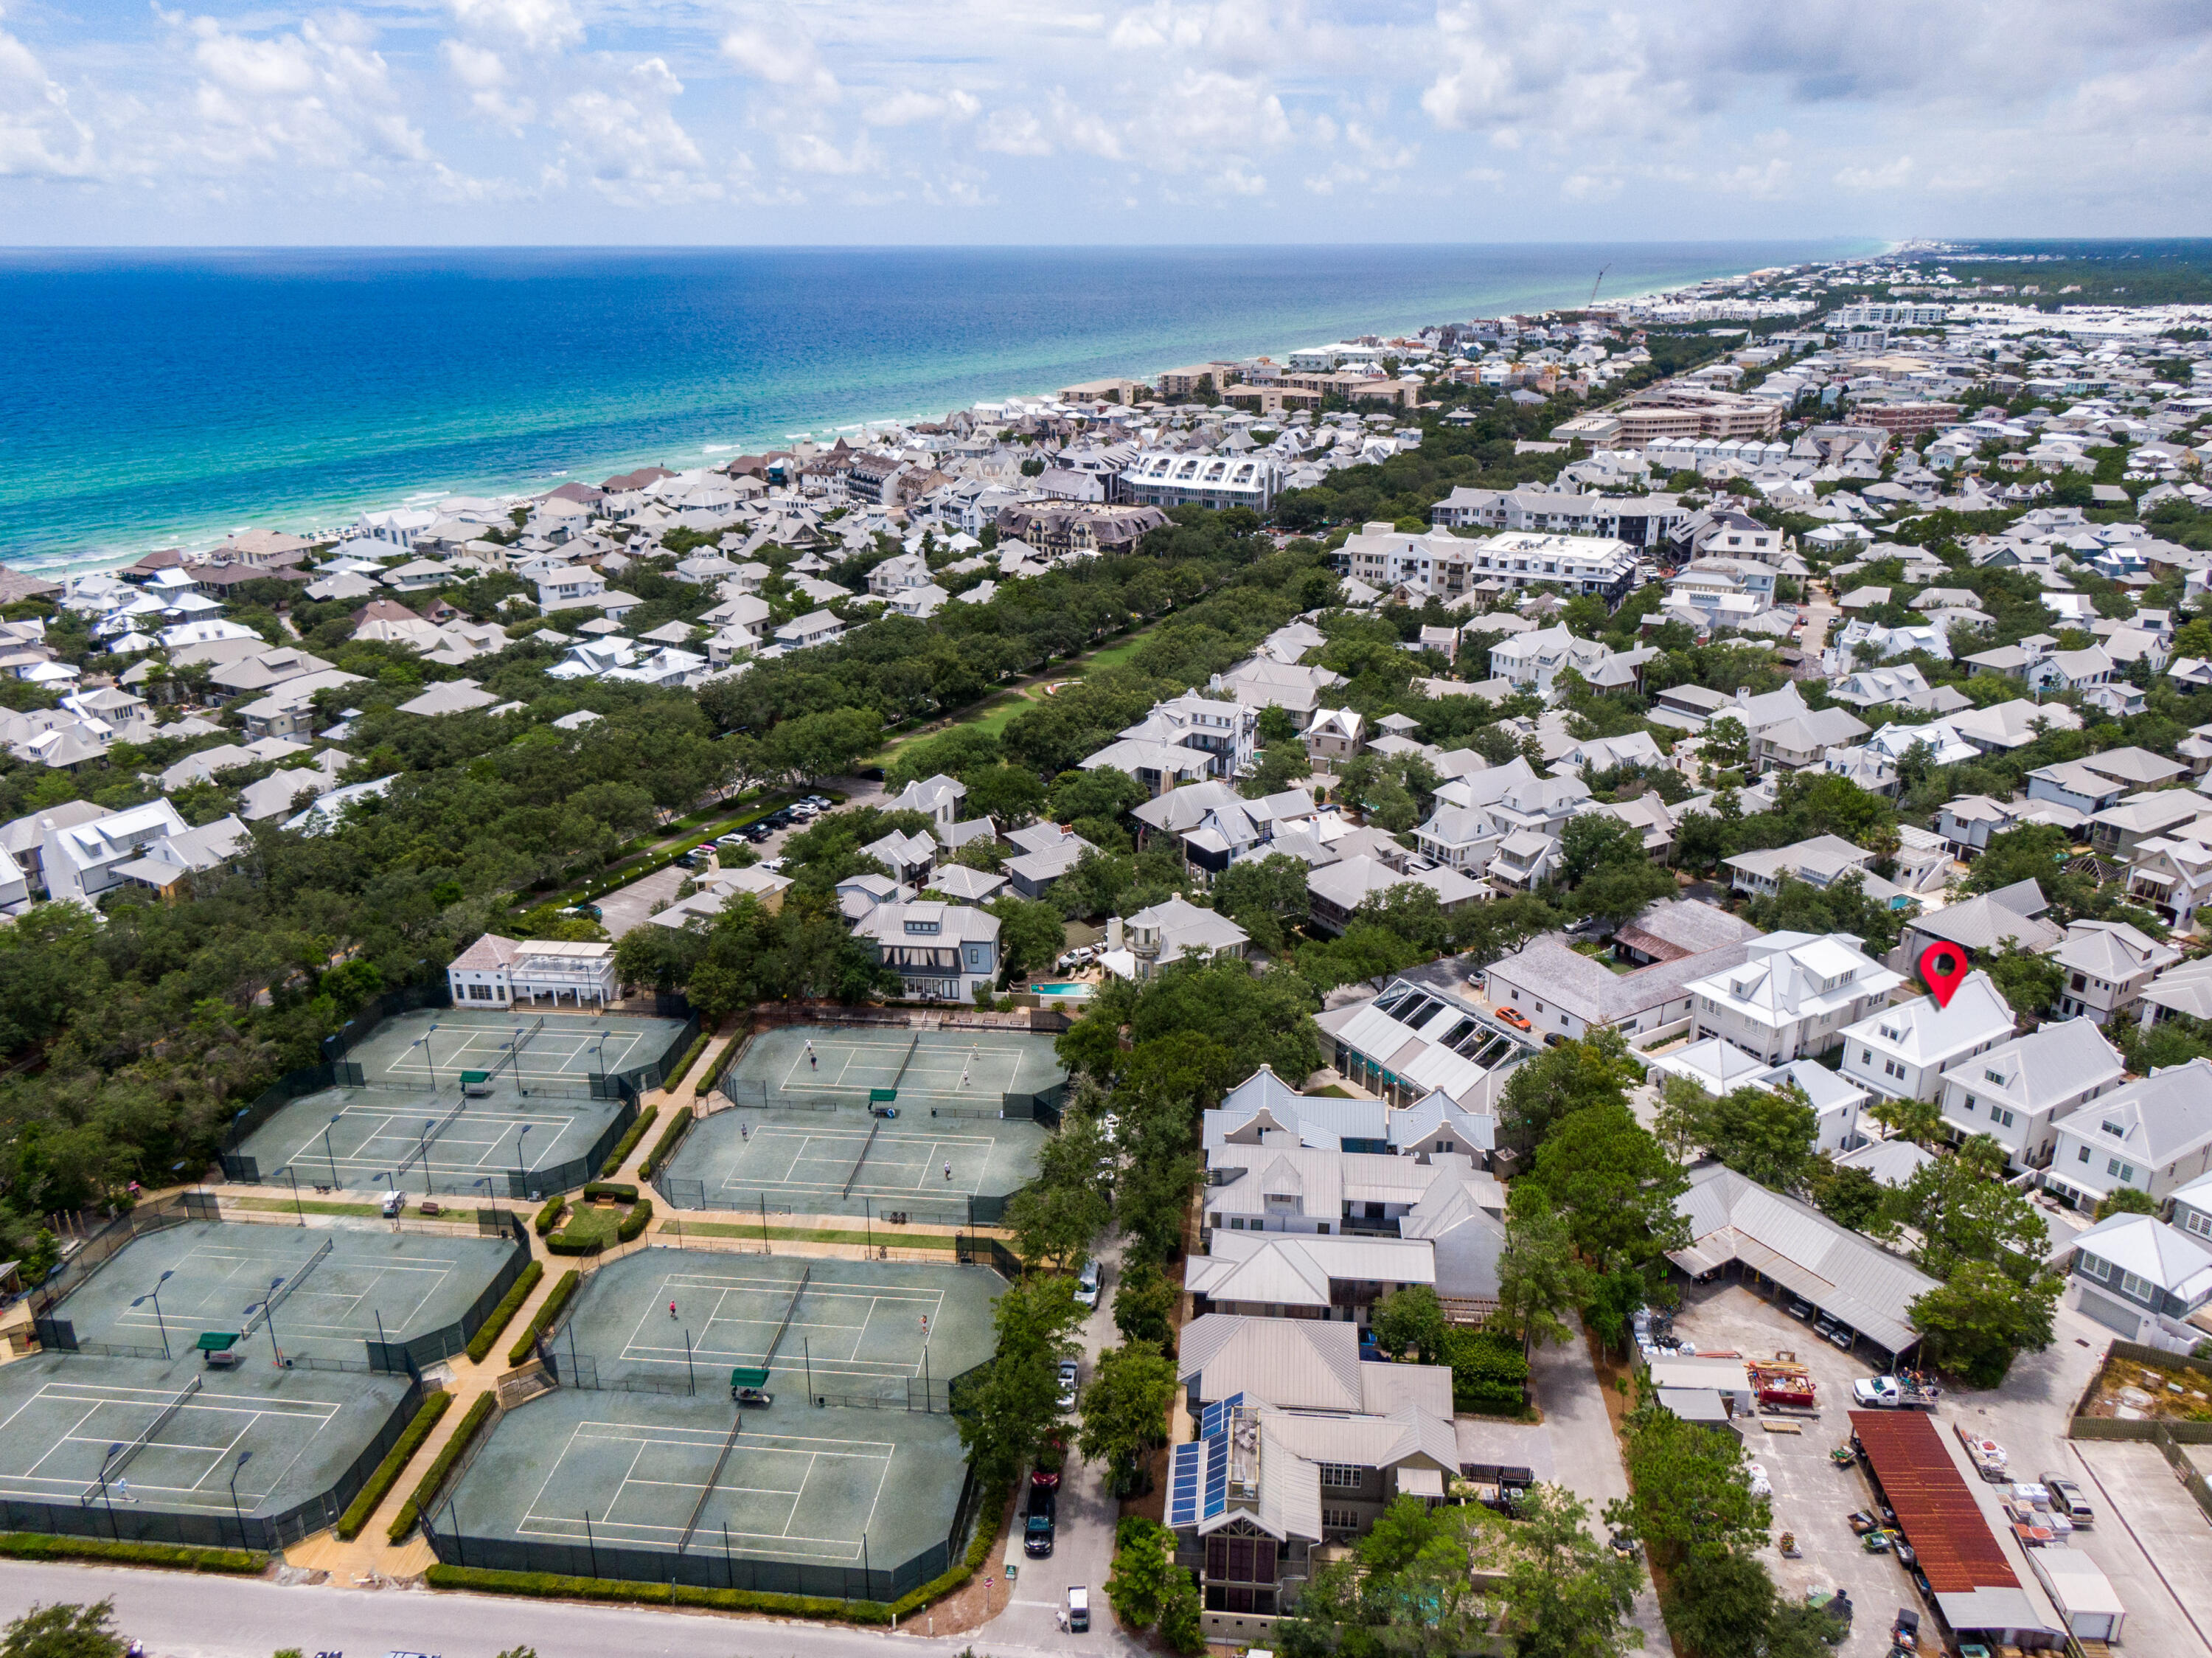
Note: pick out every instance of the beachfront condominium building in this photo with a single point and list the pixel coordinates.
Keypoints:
(1167, 478)
(1572, 564)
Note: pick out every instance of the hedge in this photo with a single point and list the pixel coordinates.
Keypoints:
(552, 1586)
(634, 1221)
(427, 1487)
(627, 1144)
(388, 1471)
(677, 1127)
(549, 1216)
(548, 1310)
(488, 1332)
(682, 1066)
(38, 1546)
(723, 1061)
(620, 1190)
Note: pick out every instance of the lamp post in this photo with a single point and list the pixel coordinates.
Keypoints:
(428, 1058)
(244, 1457)
(423, 1140)
(521, 1161)
(154, 1296)
(299, 1213)
(267, 1305)
(328, 1156)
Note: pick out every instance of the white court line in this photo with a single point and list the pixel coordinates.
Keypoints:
(317, 1414)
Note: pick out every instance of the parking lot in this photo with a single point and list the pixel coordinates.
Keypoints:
(2149, 1539)
(626, 908)
(1812, 1496)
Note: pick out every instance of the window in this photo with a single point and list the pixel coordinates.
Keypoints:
(2002, 1116)
(1993, 1077)
(2124, 1171)
(480, 993)
(1340, 1476)
(2199, 1224)
(1339, 1520)
(2085, 1153)
(1866, 1056)
(2114, 1129)
(2140, 1288)
(2094, 1267)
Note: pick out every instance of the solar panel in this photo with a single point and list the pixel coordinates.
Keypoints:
(1184, 1478)
(1215, 1418)
(1217, 1475)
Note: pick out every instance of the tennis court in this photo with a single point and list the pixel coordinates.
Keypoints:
(333, 1288)
(525, 1053)
(592, 1479)
(835, 1326)
(137, 1439)
(956, 1069)
(374, 1139)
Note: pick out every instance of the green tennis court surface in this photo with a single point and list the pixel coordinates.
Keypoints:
(62, 1417)
(373, 1139)
(204, 1275)
(429, 1048)
(855, 1327)
(952, 1067)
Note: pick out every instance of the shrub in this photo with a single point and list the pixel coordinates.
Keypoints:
(626, 1145)
(549, 1216)
(38, 1546)
(677, 1594)
(548, 1310)
(678, 1125)
(634, 1221)
(683, 1067)
(488, 1332)
(427, 1487)
(620, 1190)
(388, 1471)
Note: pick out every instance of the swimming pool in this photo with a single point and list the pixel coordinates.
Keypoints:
(1064, 992)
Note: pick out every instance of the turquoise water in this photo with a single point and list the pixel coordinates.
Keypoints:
(156, 399)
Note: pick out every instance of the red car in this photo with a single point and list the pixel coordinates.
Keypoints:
(1516, 1018)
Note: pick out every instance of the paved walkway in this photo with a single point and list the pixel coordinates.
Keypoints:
(1587, 1455)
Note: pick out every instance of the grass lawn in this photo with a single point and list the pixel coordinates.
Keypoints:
(1116, 655)
(589, 1223)
(992, 714)
(314, 1206)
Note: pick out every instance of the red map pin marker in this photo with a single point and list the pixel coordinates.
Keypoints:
(1941, 967)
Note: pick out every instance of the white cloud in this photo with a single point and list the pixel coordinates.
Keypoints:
(627, 146)
(775, 47)
(321, 97)
(906, 107)
(39, 137)
(1889, 175)
(810, 152)
(534, 25)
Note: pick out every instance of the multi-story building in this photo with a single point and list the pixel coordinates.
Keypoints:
(505, 973)
(1572, 564)
(1686, 412)
(1061, 527)
(1642, 521)
(2108, 965)
(944, 952)
(1792, 996)
(2016, 1091)
(1171, 477)
(2154, 1134)
(1902, 1051)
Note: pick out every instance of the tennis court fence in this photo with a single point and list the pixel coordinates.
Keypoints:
(711, 1562)
(111, 1239)
(138, 1522)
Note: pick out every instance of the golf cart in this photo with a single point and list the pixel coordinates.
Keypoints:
(749, 1387)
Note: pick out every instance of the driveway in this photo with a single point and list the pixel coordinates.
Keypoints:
(1083, 1545)
(1587, 1455)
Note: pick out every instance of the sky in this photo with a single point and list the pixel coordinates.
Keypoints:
(416, 122)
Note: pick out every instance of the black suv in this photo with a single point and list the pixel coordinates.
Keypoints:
(1037, 1537)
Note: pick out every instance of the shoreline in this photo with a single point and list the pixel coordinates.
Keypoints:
(515, 490)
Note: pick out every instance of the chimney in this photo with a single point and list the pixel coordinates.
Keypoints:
(1113, 932)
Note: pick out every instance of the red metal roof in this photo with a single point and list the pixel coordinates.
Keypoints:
(1936, 1509)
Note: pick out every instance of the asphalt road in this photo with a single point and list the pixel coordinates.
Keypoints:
(181, 1616)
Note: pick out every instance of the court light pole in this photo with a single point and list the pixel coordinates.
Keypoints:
(423, 1043)
(299, 1214)
(329, 1156)
(521, 1161)
(423, 1139)
(589, 1545)
(244, 1457)
(268, 1312)
(154, 1296)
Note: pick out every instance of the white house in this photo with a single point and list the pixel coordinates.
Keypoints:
(1901, 1051)
(2015, 1092)
(499, 973)
(944, 952)
(2154, 1134)
(2108, 965)
(1792, 996)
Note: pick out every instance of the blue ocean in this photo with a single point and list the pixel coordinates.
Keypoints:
(165, 398)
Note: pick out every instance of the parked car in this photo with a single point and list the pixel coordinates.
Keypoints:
(1880, 1392)
(1079, 1608)
(393, 1203)
(1801, 1309)
(1069, 1374)
(1087, 1283)
(1516, 1018)
(1037, 1532)
(2066, 1497)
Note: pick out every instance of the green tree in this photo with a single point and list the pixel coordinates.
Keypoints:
(1767, 1134)
(1031, 935)
(1725, 746)
(1615, 1183)
(63, 1630)
(2126, 1200)
(1490, 1372)
(1055, 1217)
(1538, 1279)
(1689, 1493)
(1124, 1411)
(1144, 1572)
(1850, 1197)
(1616, 893)
(1960, 1205)
(1540, 1092)
(1014, 1403)
(1183, 1615)
(1595, 840)
(1410, 1319)
(1983, 1317)
(1144, 1305)
(2029, 982)
(1566, 1594)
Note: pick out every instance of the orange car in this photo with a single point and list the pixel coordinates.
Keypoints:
(1516, 1018)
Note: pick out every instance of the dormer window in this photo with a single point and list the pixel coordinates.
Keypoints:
(2114, 1130)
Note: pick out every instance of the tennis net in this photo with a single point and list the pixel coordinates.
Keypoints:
(874, 1128)
(116, 1464)
(261, 1312)
(514, 1047)
(788, 1312)
(910, 1049)
(428, 1138)
(714, 1479)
